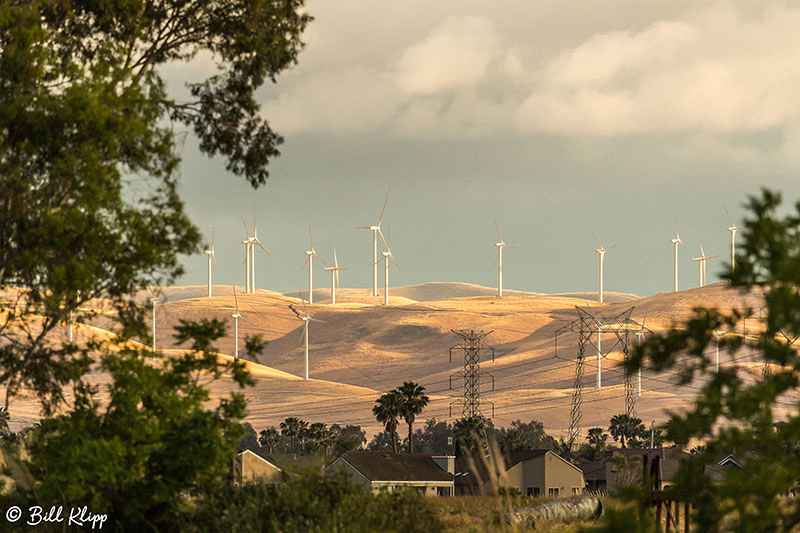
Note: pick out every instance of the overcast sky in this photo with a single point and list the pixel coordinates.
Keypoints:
(553, 118)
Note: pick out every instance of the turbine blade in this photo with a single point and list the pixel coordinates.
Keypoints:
(308, 258)
(712, 257)
(500, 237)
(336, 275)
(214, 259)
(255, 229)
(610, 247)
(384, 206)
(302, 333)
(249, 322)
(395, 262)
(675, 219)
(596, 239)
(335, 260)
(729, 215)
(310, 238)
(385, 246)
(304, 303)
(510, 246)
(246, 231)
(235, 299)
(213, 231)
(362, 227)
(318, 257)
(497, 258)
(265, 250)
(316, 320)
(681, 243)
(152, 295)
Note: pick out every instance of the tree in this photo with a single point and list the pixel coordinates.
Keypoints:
(89, 204)
(269, 438)
(387, 409)
(295, 430)
(527, 436)
(597, 443)
(733, 411)
(412, 401)
(469, 433)
(436, 437)
(151, 442)
(321, 435)
(624, 427)
(349, 437)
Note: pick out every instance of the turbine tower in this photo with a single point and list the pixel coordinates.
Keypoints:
(248, 243)
(153, 302)
(304, 336)
(601, 252)
(387, 254)
(498, 262)
(376, 230)
(675, 242)
(236, 316)
(701, 262)
(733, 229)
(334, 270)
(310, 262)
(211, 256)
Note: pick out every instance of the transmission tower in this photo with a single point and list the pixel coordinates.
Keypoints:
(471, 344)
(590, 327)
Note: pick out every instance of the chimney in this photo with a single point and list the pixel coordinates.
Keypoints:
(446, 462)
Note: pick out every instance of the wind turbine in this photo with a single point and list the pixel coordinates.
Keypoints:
(305, 319)
(253, 243)
(236, 316)
(601, 252)
(211, 256)
(640, 334)
(499, 259)
(675, 242)
(701, 262)
(310, 262)
(334, 270)
(387, 254)
(376, 229)
(733, 229)
(153, 302)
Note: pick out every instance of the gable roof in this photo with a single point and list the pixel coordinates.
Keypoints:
(248, 451)
(473, 469)
(388, 466)
(671, 458)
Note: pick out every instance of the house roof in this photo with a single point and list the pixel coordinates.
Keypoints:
(671, 458)
(474, 469)
(387, 466)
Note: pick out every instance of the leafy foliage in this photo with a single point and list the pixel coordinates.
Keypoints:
(412, 401)
(89, 205)
(137, 455)
(387, 409)
(624, 427)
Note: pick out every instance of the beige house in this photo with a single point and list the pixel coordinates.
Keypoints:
(431, 475)
(532, 473)
(251, 467)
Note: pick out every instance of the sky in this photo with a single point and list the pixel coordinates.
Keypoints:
(556, 119)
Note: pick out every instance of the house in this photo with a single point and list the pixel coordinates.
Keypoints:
(431, 475)
(251, 467)
(624, 467)
(532, 473)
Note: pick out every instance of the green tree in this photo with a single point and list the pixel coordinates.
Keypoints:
(151, 442)
(733, 411)
(412, 401)
(89, 204)
(469, 433)
(623, 427)
(295, 430)
(435, 437)
(269, 438)
(387, 410)
(349, 437)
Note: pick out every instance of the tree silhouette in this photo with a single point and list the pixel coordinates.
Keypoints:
(387, 411)
(294, 429)
(412, 401)
(627, 427)
(469, 433)
(269, 438)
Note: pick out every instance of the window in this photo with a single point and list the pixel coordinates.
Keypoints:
(443, 491)
(534, 491)
(552, 492)
(576, 490)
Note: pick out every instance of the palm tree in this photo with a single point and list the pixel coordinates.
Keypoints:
(413, 400)
(4, 419)
(469, 433)
(269, 438)
(386, 411)
(624, 427)
(294, 428)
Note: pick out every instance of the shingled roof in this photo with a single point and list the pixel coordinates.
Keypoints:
(387, 466)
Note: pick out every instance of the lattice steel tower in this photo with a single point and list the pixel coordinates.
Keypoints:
(471, 344)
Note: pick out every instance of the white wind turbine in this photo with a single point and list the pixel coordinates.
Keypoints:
(387, 254)
(211, 256)
(153, 302)
(640, 334)
(701, 262)
(733, 229)
(601, 252)
(310, 262)
(376, 229)
(334, 270)
(498, 262)
(248, 244)
(305, 319)
(253, 243)
(236, 316)
(675, 242)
